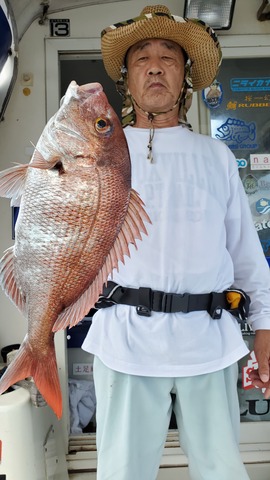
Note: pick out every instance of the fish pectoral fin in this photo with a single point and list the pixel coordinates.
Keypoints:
(12, 181)
(7, 279)
(38, 161)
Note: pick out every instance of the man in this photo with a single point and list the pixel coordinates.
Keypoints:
(150, 344)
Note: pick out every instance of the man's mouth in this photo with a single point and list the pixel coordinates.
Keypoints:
(154, 85)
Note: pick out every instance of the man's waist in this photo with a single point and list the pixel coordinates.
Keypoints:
(147, 300)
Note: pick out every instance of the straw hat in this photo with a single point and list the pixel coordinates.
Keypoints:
(194, 36)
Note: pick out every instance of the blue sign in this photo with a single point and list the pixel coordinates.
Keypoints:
(250, 84)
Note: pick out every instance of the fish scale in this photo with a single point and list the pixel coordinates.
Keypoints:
(78, 215)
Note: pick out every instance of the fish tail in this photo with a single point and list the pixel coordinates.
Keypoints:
(45, 375)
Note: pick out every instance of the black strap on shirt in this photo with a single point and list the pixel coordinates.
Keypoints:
(146, 300)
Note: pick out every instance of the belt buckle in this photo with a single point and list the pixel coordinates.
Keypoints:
(172, 302)
(143, 311)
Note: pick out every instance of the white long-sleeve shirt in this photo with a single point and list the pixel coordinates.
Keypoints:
(201, 240)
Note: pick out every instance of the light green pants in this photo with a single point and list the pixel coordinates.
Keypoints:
(133, 414)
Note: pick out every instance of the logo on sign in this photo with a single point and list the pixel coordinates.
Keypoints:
(250, 184)
(252, 364)
(241, 162)
(250, 84)
(263, 206)
(236, 130)
(212, 95)
(260, 161)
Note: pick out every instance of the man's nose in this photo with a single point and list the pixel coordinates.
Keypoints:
(155, 68)
(155, 71)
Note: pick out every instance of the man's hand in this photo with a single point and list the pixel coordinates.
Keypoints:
(261, 378)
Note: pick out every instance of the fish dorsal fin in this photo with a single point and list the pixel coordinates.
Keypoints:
(7, 279)
(12, 182)
(131, 230)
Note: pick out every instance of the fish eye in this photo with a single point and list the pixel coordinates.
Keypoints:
(102, 125)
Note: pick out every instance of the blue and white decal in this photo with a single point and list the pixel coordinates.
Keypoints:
(250, 84)
(238, 134)
(263, 206)
(241, 162)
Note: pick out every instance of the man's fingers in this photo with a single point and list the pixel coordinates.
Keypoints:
(263, 370)
(259, 382)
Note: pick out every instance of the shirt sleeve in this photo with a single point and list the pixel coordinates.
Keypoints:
(251, 271)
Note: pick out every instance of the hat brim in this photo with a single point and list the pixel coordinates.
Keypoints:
(194, 36)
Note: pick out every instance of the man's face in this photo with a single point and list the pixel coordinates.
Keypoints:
(155, 74)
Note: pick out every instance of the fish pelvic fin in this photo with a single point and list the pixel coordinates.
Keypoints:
(44, 372)
(7, 279)
(12, 181)
(131, 230)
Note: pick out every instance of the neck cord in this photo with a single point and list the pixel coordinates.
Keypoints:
(151, 116)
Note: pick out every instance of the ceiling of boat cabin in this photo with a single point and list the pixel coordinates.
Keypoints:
(26, 11)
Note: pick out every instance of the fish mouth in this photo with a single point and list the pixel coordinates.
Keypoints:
(90, 88)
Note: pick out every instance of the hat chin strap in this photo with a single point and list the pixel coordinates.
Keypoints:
(151, 116)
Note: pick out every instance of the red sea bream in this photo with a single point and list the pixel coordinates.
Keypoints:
(78, 214)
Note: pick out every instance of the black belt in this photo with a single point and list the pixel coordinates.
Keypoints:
(146, 300)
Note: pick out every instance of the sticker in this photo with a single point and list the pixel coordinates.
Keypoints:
(241, 162)
(251, 365)
(59, 27)
(213, 95)
(250, 84)
(250, 184)
(260, 161)
(263, 206)
(82, 369)
(258, 102)
(236, 130)
(232, 105)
